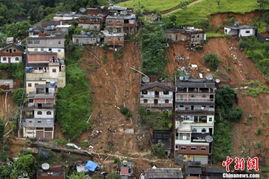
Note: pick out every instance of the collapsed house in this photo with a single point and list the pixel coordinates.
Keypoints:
(194, 37)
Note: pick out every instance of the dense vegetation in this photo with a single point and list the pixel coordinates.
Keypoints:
(153, 46)
(18, 96)
(155, 120)
(212, 61)
(198, 14)
(257, 51)
(74, 101)
(226, 115)
(12, 71)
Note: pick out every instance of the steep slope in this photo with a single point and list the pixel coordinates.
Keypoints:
(113, 84)
(7, 107)
(235, 69)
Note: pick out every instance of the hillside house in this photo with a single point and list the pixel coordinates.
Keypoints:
(162, 173)
(67, 17)
(126, 170)
(241, 30)
(115, 24)
(194, 119)
(193, 36)
(95, 23)
(11, 54)
(156, 96)
(38, 113)
(54, 43)
(7, 84)
(97, 11)
(85, 39)
(113, 39)
(54, 172)
(43, 67)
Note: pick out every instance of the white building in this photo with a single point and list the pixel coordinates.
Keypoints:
(241, 30)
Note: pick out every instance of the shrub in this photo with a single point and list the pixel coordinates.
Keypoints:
(113, 176)
(61, 141)
(158, 150)
(212, 61)
(258, 131)
(104, 59)
(118, 53)
(125, 111)
(18, 96)
(234, 114)
(257, 144)
(255, 88)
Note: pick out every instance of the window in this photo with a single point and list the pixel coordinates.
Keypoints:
(210, 119)
(166, 92)
(36, 84)
(17, 58)
(59, 42)
(48, 112)
(144, 92)
(50, 49)
(181, 106)
(193, 148)
(30, 121)
(203, 148)
(54, 70)
(5, 59)
(14, 50)
(59, 50)
(247, 32)
(29, 84)
(39, 112)
(31, 100)
(39, 122)
(166, 101)
(176, 147)
(145, 101)
(183, 147)
(203, 130)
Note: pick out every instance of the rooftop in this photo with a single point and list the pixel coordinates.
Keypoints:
(164, 173)
(195, 83)
(163, 85)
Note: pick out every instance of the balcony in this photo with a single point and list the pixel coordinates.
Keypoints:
(195, 100)
(165, 105)
(199, 137)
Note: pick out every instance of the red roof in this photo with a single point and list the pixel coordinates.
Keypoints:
(40, 57)
(124, 171)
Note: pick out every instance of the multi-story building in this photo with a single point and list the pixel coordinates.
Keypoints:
(43, 67)
(91, 22)
(38, 113)
(194, 119)
(11, 54)
(53, 43)
(157, 96)
(85, 39)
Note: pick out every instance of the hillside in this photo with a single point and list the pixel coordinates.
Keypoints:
(198, 13)
(151, 5)
(233, 71)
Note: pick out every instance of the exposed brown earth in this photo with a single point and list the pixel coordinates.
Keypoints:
(113, 84)
(216, 20)
(235, 69)
(7, 106)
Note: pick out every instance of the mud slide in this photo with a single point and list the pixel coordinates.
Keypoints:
(113, 84)
(7, 107)
(235, 69)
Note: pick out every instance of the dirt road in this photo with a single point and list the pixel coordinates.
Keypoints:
(179, 9)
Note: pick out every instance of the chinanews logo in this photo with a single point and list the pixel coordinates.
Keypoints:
(241, 164)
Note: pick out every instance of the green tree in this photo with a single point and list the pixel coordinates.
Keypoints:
(212, 61)
(77, 176)
(18, 29)
(263, 3)
(158, 150)
(24, 164)
(18, 96)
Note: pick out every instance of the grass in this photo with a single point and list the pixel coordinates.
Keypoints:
(151, 5)
(255, 88)
(215, 35)
(198, 13)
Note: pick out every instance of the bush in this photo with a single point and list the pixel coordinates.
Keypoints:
(258, 131)
(153, 47)
(125, 111)
(212, 61)
(257, 144)
(113, 176)
(234, 114)
(118, 53)
(74, 103)
(18, 96)
(158, 150)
